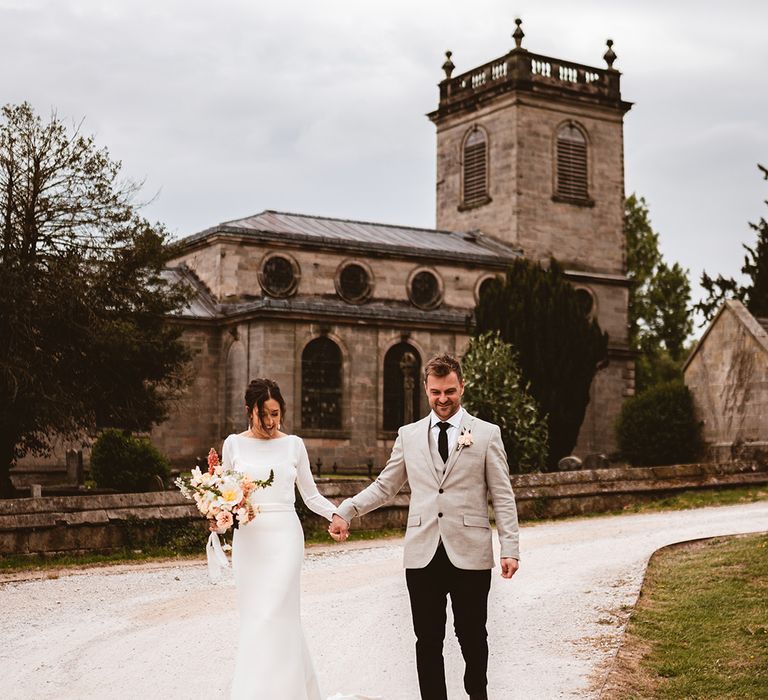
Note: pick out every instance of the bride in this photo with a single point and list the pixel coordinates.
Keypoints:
(273, 662)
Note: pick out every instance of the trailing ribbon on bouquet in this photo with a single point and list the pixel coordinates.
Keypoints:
(217, 560)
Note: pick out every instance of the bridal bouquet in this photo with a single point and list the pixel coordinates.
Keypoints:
(222, 496)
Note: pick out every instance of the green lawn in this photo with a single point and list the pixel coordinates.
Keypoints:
(701, 498)
(700, 628)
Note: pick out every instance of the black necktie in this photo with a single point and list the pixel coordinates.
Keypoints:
(442, 440)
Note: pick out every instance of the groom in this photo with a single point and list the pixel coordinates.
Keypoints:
(453, 463)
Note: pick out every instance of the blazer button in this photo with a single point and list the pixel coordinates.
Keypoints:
(440, 490)
(439, 515)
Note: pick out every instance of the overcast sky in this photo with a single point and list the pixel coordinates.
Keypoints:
(228, 108)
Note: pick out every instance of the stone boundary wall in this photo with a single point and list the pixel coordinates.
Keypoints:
(98, 523)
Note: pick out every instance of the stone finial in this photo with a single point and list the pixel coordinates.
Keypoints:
(519, 34)
(609, 56)
(448, 65)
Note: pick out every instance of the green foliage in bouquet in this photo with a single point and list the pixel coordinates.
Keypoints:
(659, 427)
(126, 463)
(494, 390)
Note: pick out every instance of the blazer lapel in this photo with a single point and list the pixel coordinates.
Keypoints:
(466, 426)
(424, 438)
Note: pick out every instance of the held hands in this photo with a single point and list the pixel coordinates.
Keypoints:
(508, 567)
(339, 528)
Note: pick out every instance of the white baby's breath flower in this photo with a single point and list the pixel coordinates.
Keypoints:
(196, 476)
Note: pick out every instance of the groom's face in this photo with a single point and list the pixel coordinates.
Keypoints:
(444, 394)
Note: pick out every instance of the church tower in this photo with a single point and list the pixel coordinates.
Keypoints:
(530, 152)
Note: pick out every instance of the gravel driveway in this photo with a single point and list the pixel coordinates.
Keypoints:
(162, 631)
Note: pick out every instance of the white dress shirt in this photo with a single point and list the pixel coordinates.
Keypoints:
(452, 432)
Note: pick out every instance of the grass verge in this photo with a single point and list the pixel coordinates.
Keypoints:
(700, 499)
(700, 628)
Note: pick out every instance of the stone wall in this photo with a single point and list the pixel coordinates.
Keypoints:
(230, 269)
(214, 406)
(102, 523)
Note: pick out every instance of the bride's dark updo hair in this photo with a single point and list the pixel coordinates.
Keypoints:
(259, 391)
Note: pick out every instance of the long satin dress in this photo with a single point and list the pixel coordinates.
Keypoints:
(273, 662)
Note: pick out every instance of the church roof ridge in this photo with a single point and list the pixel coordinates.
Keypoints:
(346, 221)
(356, 235)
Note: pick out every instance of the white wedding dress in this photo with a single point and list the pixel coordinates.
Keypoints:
(273, 662)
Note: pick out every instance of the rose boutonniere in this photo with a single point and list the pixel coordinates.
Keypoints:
(465, 439)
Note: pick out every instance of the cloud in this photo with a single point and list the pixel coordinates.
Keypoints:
(229, 108)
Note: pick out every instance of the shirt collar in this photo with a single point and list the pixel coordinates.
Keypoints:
(454, 420)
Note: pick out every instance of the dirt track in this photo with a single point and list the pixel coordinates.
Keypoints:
(162, 631)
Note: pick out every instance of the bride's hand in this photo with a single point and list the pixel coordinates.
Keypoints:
(339, 528)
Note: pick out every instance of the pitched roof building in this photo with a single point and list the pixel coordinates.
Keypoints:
(727, 374)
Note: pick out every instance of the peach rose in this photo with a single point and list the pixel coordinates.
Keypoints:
(224, 520)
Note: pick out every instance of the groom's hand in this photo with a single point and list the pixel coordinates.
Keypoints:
(508, 567)
(339, 528)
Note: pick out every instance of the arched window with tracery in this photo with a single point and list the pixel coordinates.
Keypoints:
(572, 183)
(321, 385)
(475, 168)
(402, 386)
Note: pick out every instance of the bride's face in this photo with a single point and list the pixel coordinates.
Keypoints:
(269, 425)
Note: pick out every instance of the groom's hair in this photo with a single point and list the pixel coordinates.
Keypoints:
(442, 366)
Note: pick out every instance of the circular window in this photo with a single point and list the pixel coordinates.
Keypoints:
(424, 289)
(586, 301)
(279, 276)
(485, 287)
(353, 283)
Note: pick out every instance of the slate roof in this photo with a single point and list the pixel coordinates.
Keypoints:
(201, 305)
(364, 235)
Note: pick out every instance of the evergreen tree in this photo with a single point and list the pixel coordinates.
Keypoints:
(754, 293)
(540, 314)
(84, 300)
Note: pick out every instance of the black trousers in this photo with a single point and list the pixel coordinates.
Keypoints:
(428, 589)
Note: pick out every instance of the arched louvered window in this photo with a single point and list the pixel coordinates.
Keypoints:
(402, 372)
(321, 385)
(572, 163)
(475, 159)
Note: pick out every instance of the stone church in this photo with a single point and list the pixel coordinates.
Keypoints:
(343, 314)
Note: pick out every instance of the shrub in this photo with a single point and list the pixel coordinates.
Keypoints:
(495, 391)
(659, 427)
(126, 463)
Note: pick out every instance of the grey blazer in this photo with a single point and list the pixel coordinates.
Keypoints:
(453, 508)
